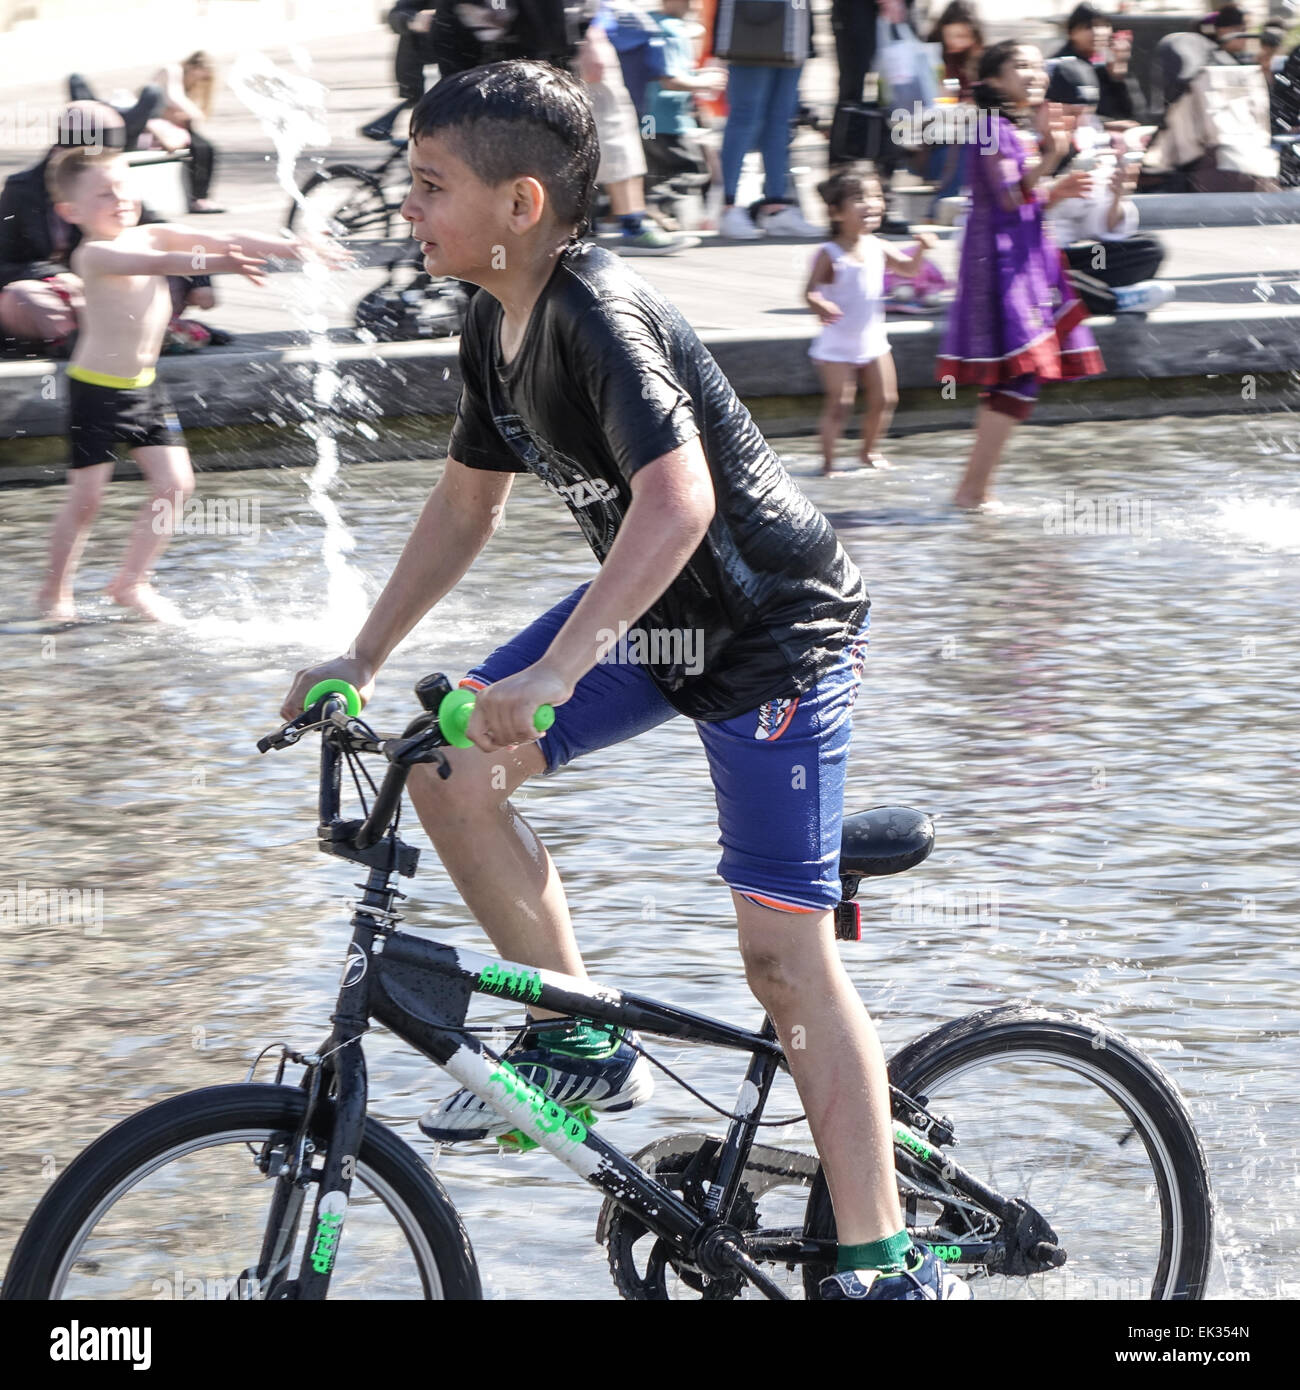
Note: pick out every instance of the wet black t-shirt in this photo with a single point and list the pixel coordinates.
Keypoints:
(610, 377)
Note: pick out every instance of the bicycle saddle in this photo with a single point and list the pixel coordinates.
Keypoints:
(884, 840)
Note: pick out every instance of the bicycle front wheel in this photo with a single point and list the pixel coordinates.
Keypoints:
(175, 1202)
(347, 201)
(1070, 1117)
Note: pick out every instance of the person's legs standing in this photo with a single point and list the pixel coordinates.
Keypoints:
(840, 385)
(1000, 411)
(72, 523)
(774, 139)
(880, 385)
(748, 87)
(167, 470)
(853, 23)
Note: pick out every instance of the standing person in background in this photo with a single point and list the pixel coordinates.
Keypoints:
(763, 98)
(622, 168)
(958, 33)
(1090, 38)
(413, 23)
(853, 23)
(846, 291)
(1015, 322)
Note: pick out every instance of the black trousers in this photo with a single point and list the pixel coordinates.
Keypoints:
(1099, 267)
(198, 172)
(853, 22)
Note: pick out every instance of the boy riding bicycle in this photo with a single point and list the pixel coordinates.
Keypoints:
(735, 605)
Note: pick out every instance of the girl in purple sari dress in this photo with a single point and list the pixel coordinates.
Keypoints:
(1015, 322)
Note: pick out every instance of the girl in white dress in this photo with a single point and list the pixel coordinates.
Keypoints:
(846, 290)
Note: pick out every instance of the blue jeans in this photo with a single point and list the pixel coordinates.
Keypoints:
(762, 103)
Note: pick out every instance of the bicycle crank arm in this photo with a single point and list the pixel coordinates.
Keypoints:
(720, 1250)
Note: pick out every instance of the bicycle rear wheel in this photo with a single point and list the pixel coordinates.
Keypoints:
(173, 1203)
(1069, 1116)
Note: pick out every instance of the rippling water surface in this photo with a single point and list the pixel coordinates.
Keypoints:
(1093, 691)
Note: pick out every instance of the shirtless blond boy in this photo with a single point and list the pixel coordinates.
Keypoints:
(117, 406)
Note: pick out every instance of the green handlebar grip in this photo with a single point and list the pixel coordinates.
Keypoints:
(456, 708)
(335, 687)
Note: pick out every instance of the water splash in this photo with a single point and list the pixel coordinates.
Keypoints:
(291, 109)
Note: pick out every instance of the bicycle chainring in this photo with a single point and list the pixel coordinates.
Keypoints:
(684, 1173)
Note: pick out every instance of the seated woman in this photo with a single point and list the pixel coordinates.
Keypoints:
(187, 103)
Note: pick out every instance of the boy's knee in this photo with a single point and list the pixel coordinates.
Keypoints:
(479, 785)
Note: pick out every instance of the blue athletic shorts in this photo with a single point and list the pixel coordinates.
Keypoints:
(778, 772)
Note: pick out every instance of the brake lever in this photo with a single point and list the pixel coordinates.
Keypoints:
(424, 747)
(285, 737)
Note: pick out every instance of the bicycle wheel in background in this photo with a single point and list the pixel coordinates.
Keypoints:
(1070, 1116)
(174, 1203)
(349, 201)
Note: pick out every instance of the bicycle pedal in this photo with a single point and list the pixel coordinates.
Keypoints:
(515, 1141)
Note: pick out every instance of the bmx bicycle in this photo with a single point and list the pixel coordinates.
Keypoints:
(1040, 1153)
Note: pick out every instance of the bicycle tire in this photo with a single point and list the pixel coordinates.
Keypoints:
(380, 231)
(127, 1152)
(1183, 1181)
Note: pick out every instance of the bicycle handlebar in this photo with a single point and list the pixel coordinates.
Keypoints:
(333, 706)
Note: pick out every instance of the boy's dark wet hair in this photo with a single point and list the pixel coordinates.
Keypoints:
(67, 166)
(515, 120)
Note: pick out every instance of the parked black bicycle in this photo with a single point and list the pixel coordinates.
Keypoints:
(1081, 1174)
(356, 202)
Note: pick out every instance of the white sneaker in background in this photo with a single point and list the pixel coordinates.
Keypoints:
(789, 221)
(737, 225)
(1142, 297)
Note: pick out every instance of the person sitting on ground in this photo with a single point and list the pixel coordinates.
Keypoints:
(1091, 40)
(116, 405)
(576, 370)
(187, 105)
(1112, 267)
(136, 114)
(40, 298)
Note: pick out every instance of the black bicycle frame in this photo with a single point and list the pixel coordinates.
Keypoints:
(420, 990)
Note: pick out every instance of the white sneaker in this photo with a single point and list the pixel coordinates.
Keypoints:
(1143, 297)
(737, 225)
(789, 221)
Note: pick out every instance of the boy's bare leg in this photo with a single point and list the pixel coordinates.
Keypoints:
(880, 384)
(169, 475)
(992, 430)
(72, 525)
(499, 866)
(794, 968)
